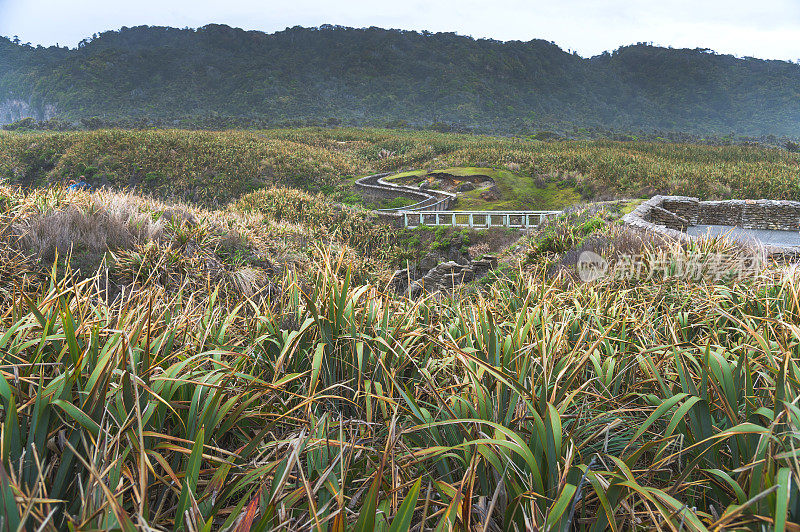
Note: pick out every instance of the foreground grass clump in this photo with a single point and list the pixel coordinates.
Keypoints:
(137, 240)
(217, 167)
(355, 226)
(328, 404)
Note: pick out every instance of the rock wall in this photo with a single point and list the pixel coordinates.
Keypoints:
(652, 215)
(671, 215)
(661, 216)
(14, 109)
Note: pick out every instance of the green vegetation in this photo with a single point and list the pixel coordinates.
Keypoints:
(219, 77)
(214, 168)
(511, 191)
(195, 381)
(213, 336)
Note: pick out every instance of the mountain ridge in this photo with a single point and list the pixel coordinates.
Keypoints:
(373, 76)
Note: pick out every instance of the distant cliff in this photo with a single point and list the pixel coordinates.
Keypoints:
(383, 77)
(12, 110)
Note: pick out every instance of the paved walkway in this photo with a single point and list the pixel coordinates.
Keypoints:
(434, 208)
(765, 236)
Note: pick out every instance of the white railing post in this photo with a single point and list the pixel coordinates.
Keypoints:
(527, 219)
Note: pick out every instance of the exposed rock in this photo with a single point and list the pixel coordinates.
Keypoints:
(483, 265)
(399, 280)
(14, 109)
(447, 275)
(429, 261)
(414, 290)
(465, 187)
(443, 277)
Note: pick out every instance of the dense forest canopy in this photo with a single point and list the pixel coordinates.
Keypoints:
(375, 76)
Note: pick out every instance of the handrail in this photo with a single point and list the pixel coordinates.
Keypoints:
(439, 197)
(512, 219)
(476, 213)
(432, 210)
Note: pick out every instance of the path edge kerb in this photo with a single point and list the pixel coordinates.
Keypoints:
(670, 216)
(429, 200)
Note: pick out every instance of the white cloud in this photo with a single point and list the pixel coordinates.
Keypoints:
(767, 28)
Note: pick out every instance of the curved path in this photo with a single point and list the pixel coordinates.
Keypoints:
(432, 204)
(428, 200)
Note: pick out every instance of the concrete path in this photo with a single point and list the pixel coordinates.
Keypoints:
(765, 236)
(434, 208)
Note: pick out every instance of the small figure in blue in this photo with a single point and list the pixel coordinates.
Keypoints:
(80, 185)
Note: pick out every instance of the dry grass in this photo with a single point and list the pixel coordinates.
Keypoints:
(533, 405)
(217, 167)
(138, 239)
(91, 223)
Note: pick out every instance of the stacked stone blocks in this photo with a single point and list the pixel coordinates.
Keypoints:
(671, 215)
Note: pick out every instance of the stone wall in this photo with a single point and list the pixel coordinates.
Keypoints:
(683, 206)
(661, 216)
(771, 214)
(720, 213)
(650, 216)
(671, 215)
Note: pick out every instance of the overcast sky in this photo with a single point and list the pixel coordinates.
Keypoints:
(760, 28)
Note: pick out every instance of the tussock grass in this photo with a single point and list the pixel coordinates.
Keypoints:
(217, 167)
(137, 239)
(329, 404)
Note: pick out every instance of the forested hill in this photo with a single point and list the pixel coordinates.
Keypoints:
(381, 77)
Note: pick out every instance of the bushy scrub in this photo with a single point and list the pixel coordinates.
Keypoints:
(534, 404)
(567, 232)
(217, 167)
(355, 226)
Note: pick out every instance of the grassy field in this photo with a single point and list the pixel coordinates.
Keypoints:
(216, 167)
(170, 365)
(510, 192)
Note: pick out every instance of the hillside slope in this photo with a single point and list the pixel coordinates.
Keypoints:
(214, 168)
(377, 76)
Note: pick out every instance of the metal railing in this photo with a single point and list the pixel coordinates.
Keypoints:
(433, 209)
(432, 200)
(513, 219)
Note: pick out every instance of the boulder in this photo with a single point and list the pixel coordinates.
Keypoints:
(399, 280)
(414, 290)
